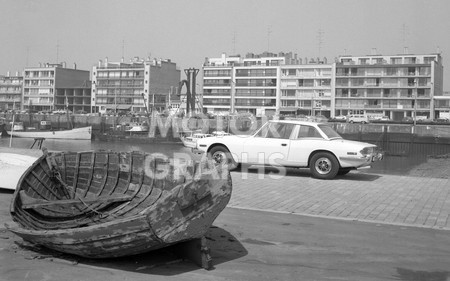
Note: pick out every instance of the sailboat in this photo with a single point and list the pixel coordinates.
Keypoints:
(82, 133)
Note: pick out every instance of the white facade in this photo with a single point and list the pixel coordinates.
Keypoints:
(10, 92)
(266, 85)
(396, 86)
(41, 85)
(134, 86)
(307, 89)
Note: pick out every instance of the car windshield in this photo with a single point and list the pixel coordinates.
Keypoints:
(276, 130)
(331, 134)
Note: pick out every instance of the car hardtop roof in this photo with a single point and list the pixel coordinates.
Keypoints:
(298, 122)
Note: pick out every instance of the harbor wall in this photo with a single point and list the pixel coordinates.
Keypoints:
(394, 139)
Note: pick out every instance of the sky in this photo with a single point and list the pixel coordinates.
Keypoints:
(188, 31)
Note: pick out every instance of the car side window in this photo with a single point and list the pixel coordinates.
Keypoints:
(280, 130)
(308, 132)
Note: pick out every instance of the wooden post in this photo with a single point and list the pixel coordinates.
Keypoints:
(197, 251)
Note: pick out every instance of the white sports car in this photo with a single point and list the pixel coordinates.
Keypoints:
(292, 143)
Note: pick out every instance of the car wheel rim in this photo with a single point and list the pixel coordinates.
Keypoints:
(219, 157)
(323, 165)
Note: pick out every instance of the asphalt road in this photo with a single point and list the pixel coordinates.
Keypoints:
(254, 245)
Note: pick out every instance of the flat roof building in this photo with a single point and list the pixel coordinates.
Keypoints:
(11, 92)
(47, 87)
(267, 84)
(133, 86)
(397, 86)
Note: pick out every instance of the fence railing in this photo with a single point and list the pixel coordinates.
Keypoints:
(400, 139)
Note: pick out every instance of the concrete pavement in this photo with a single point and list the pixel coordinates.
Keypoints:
(361, 196)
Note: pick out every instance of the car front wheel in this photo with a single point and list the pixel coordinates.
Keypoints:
(324, 165)
(221, 156)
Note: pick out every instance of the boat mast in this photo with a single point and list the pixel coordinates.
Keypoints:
(67, 114)
(12, 125)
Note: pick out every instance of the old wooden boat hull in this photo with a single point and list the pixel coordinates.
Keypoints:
(83, 133)
(109, 204)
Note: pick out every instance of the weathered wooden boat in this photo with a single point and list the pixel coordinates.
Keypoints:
(82, 133)
(101, 204)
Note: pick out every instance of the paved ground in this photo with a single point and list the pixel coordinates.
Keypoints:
(270, 245)
(399, 200)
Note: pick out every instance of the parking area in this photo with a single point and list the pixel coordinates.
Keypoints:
(389, 199)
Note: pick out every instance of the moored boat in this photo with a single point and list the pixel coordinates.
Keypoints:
(83, 133)
(100, 204)
(220, 134)
(16, 126)
(189, 139)
(137, 127)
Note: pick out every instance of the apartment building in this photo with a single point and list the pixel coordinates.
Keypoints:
(376, 85)
(10, 92)
(396, 86)
(249, 84)
(307, 89)
(218, 83)
(133, 86)
(53, 86)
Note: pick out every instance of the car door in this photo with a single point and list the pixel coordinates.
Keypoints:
(307, 138)
(270, 146)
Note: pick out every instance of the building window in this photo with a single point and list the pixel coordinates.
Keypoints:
(396, 60)
(428, 60)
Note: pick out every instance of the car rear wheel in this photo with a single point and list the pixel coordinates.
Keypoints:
(222, 156)
(324, 165)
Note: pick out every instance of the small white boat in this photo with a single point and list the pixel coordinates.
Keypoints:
(137, 127)
(189, 139)
(83, 133)
(220, 134)
(17, 126)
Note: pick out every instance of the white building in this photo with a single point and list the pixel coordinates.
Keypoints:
(133, 86)
(53, 86)
(397, 86)
(266, 84)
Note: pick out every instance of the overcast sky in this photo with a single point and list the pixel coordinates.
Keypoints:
(187, 31)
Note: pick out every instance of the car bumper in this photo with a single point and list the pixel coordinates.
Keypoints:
(358, 162)
(197, 151)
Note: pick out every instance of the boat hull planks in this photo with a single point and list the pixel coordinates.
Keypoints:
(100, 204)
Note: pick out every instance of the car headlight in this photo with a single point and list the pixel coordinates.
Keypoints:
(367, 151)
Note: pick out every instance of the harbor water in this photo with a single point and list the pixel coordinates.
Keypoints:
(398, 165)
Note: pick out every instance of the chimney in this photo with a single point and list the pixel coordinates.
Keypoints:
(405, 51)
(99, 63)
(121, 60)
(74, 66)
(106, 61)
(64, 64)
(7, 73)
(17, 73)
